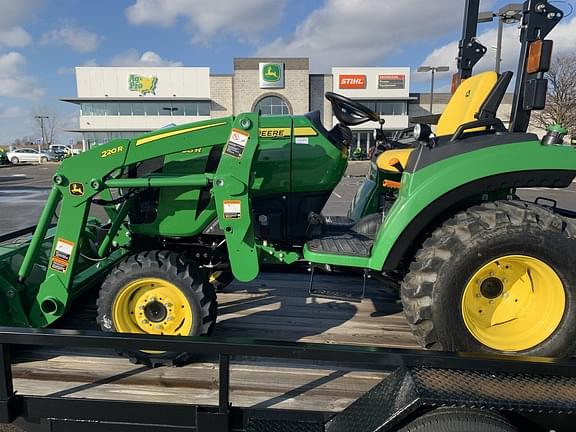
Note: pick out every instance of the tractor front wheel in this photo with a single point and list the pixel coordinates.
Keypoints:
(159, 293)
(497, 277)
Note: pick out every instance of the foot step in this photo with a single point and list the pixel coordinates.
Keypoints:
(349, 295)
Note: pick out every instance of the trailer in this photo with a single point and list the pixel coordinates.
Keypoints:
(480, 270)
(424, 391)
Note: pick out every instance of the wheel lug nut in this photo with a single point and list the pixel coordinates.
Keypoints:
(145, 321)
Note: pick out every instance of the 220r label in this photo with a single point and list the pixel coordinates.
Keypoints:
(112, 151)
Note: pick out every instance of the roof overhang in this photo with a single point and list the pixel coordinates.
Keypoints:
(135, 130)
(131, 99)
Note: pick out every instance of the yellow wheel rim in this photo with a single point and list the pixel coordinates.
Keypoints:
(513, 303)
(153, 306)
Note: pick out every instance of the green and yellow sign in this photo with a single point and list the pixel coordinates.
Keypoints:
(142, 84)
(271, 75)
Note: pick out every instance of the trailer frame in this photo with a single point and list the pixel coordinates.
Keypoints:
(418, 382)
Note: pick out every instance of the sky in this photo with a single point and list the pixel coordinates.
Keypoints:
(41, 41)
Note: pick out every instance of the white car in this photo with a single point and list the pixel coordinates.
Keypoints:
(28, 155)
(61, 148)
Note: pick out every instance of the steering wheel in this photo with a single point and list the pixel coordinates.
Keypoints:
(350, 112)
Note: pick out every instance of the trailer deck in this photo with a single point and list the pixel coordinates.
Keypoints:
(275, 306)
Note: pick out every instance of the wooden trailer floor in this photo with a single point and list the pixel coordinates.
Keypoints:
(274, 306)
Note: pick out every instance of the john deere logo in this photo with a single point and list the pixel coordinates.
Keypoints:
(271, 75)
(76, 189)
(142, 84)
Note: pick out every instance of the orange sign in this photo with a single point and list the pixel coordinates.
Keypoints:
(352, 82)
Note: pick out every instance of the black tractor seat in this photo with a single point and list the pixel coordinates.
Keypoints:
(340, 135)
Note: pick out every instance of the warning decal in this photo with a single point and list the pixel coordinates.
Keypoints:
(62, 255)
(232, 209)
(237, 143)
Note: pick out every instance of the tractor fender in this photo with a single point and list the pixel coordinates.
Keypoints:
(434, 193)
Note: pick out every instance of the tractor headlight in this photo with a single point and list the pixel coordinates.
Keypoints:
(422, 132)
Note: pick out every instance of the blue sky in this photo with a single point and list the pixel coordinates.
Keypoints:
(42, 40)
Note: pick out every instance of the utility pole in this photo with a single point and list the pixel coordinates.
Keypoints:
(42, 118)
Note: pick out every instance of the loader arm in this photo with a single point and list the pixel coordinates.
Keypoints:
(92, 175)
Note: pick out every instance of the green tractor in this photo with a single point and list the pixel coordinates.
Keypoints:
(192, 206)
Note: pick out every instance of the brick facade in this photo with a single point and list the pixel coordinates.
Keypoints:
(246, 84)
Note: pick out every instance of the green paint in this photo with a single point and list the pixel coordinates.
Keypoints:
(423, 187)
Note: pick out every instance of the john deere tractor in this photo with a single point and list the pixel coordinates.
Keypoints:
(192, 206)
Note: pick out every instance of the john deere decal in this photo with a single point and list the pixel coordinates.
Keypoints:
(142, 84)
(271, 75)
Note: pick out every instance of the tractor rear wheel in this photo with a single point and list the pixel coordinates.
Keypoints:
(159, 293)
(459, 420)
(497, 277)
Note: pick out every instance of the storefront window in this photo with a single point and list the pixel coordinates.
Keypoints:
(125, 108)
(272, 105)
(137, 108)
(387, 107)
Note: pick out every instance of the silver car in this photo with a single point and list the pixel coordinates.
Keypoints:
(28, 155)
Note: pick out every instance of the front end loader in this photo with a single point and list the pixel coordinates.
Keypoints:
(193, 206)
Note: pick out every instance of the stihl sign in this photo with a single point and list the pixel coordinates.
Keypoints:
(352, 82)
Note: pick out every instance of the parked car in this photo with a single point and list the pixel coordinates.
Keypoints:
(4, 158)
(57, 155)
(61, 148)
(29, 155)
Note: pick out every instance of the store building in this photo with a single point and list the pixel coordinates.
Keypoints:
(120, 102)
(384, 90)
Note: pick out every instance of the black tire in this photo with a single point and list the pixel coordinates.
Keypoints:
(43, 159)
(459, 420)
(176, 269)
(14, 160)
(432, 290)
(221, 279)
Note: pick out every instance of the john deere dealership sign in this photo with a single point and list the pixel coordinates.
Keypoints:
(272, 75)
(142, 84)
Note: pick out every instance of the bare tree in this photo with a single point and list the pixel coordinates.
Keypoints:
(49, 118)
(561, 100)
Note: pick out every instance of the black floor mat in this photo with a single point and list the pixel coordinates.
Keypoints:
(346, 243)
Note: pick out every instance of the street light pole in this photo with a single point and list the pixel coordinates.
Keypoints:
(432, 69)
(432, 89)
(508, 14)
(499, 45)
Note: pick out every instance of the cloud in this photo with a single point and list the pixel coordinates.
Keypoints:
(14, 82)
(15, 12)
(12, 112)
(365, 32)
(205, 19)
(563, 36)
(15, 37)
(76, 38)
(132, 57)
